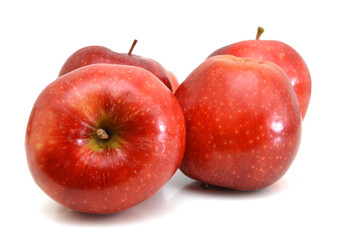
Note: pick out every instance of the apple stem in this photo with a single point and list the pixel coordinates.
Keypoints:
(132, 47)
(101, 134)
(260, 30)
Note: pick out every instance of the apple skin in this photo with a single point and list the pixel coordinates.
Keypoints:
(282, 55)
(174, 81)
(98, 54)
(87, 174)
(243, 123)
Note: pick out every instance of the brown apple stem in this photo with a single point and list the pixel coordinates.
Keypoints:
(132, 47)
(101, 134)
(260, 30)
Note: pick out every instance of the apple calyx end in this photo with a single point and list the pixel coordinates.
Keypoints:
(204, 185)
(260, 30)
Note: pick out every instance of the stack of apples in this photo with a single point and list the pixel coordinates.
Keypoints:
(114, 128)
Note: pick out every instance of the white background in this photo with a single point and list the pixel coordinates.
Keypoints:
(38, 36)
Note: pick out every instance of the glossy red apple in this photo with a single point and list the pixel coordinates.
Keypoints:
(282, 55)
(98, 54)
(243, 123)
(174, 81)
(104, 137)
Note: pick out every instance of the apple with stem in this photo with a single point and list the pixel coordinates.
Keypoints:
(98, 54)
(282, 55)
(243, 123)
(104, 138)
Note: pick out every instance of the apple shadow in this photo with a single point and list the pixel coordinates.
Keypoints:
(195, 188)
(155, 207)
(189, 188)
(179, 180)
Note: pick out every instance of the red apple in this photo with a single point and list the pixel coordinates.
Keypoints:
(243, 123)
(282, 55)
(104, 138)
(174, 81)
(97, 54)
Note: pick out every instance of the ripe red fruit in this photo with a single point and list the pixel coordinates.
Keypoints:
(243, 123)
(97, 54)
(281, 54)
(104, 138)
